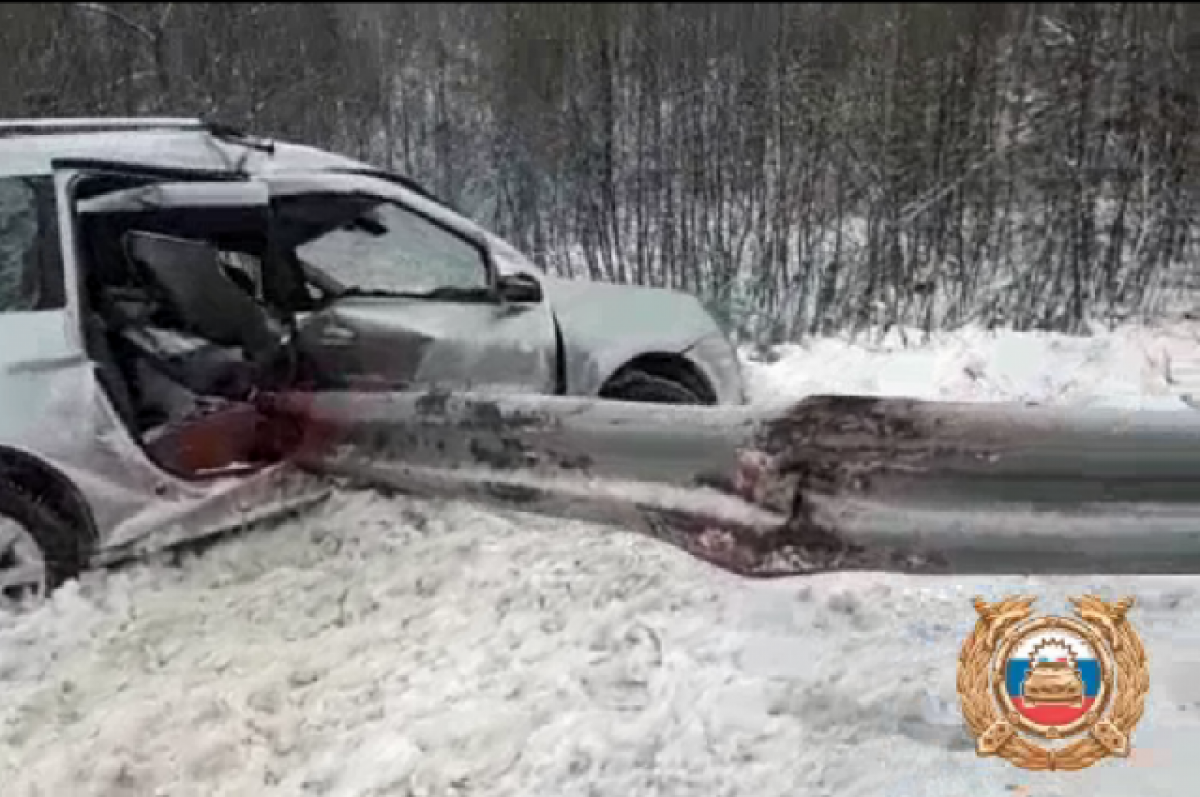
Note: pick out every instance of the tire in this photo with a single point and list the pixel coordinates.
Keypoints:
(30, 530)
(635, 385)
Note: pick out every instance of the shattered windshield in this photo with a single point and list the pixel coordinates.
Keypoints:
(30, 260)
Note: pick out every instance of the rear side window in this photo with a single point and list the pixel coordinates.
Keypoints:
(31, 270)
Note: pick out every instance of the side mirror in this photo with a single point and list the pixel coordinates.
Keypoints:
(519, 289)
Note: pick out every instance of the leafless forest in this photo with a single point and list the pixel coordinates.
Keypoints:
(803, 167)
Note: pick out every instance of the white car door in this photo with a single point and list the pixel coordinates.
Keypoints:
(402, 293)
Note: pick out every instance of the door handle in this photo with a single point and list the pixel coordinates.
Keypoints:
(337, 336)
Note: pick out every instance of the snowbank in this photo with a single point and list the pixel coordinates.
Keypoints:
(388, 646)
(1146, 368)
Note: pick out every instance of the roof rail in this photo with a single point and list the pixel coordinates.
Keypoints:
(50, 126)
(215, 128)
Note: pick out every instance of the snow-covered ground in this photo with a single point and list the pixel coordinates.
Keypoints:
(402, 647)
(1147, 368)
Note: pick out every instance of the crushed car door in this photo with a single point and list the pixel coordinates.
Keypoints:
(394, 292)
(146, 503)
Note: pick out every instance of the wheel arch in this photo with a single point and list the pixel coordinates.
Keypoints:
(35, 477)
(675, 367)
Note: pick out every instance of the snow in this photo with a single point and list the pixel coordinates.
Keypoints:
(391, 646)
(1135, 366)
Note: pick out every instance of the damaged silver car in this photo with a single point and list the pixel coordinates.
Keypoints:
(158, 277)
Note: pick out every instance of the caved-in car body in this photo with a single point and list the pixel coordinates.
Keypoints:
(124, 404)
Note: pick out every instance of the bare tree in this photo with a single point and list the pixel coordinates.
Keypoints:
(802, 167)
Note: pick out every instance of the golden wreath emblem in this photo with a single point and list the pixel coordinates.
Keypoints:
(1077, 683)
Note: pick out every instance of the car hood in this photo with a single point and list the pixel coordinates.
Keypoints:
(656, 319)
(659, 319)
(604, 325)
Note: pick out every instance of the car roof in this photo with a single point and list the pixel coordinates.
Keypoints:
(29, 147)
(33, 152)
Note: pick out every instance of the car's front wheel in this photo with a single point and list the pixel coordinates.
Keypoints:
(38, 550)
(637, 385)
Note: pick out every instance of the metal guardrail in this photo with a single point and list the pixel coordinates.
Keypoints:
(825, 483)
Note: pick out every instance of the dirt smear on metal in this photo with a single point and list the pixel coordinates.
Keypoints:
(824, 446)
(821, 447)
